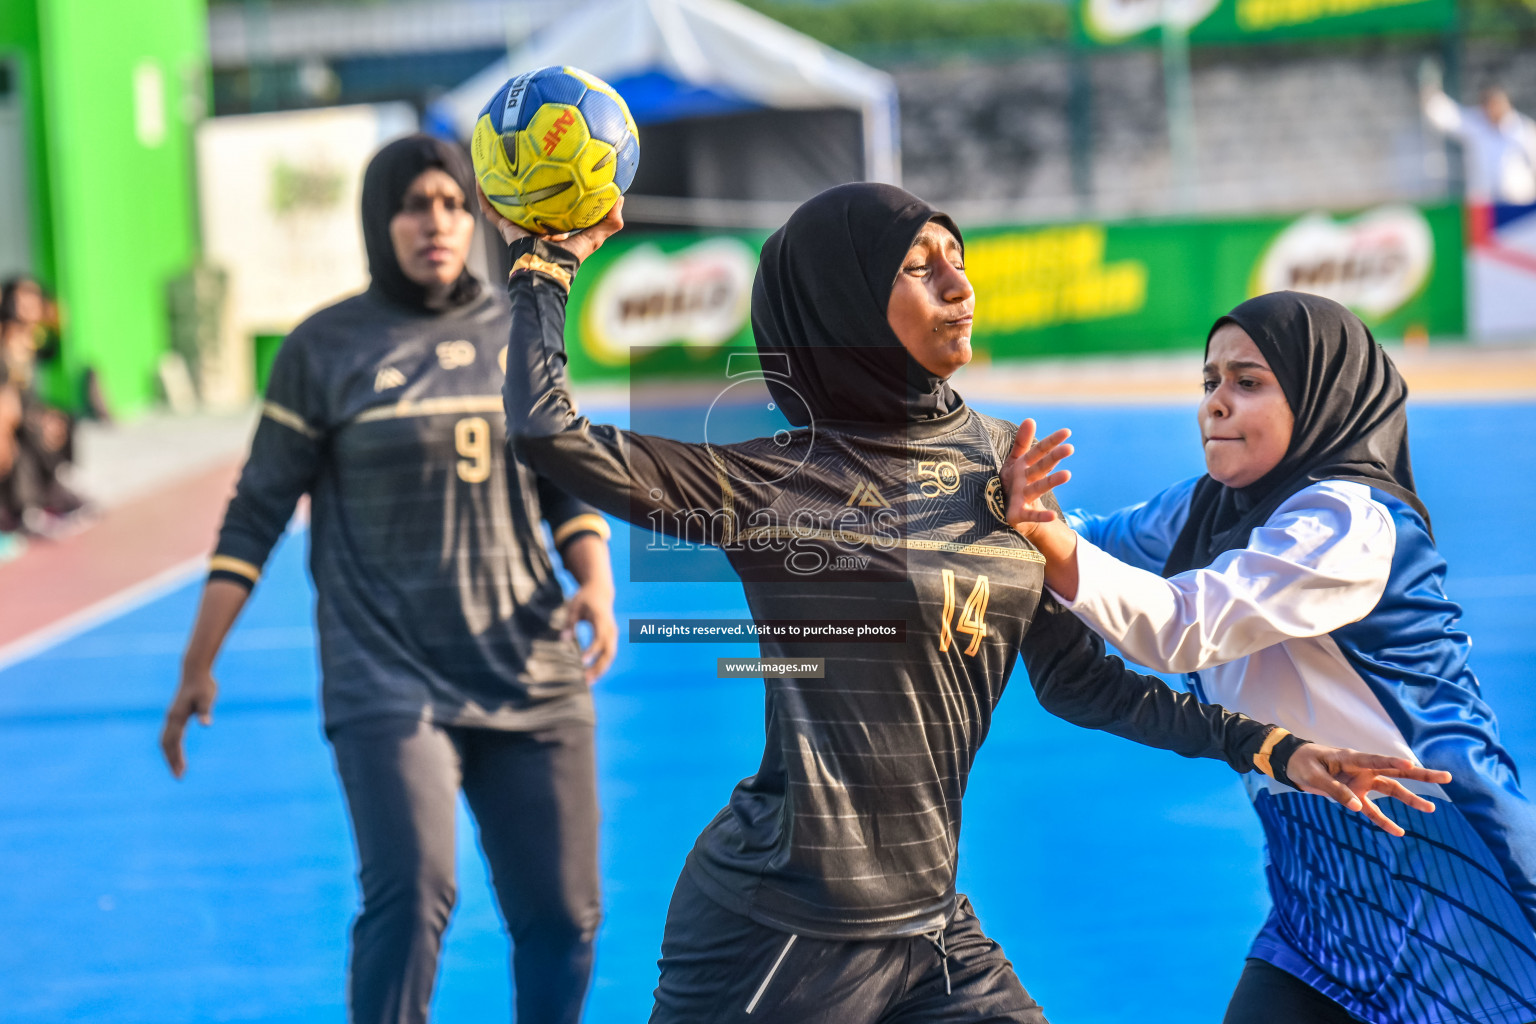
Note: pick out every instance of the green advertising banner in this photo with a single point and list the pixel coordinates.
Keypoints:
(1047, 291)
(1114, 22)
(665, 302)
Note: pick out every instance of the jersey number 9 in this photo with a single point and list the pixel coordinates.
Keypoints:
(472, 438)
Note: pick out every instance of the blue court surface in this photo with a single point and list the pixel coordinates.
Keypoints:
(1125, 883)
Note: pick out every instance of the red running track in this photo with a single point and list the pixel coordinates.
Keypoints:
(55, 584)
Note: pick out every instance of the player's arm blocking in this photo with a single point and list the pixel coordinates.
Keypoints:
(1077, 680)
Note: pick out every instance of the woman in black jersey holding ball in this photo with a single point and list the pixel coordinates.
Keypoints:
(825, 890)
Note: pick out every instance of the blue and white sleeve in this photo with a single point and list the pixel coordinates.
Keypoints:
(1140, 535)
(1319, 563)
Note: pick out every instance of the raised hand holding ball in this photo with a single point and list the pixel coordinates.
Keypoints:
(579, 244)
(554, 149)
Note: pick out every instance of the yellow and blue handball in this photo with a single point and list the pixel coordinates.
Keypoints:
(554, 149)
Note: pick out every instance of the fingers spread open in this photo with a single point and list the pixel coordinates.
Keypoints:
(1354, 760)
(1417, 774)
(1380, 820)
(1398, 791)
(1048, 462)
(1026, 494)
(1335, 790)
(1054, 439)
(1022, 439)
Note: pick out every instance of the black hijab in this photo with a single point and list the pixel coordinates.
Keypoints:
(819, 301)
(385, 182)
(1351, 421)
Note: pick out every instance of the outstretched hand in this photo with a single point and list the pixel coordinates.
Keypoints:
(1348, 776)
(1030, 473)
(579, 244)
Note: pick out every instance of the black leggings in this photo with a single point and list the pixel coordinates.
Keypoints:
(534, 797)
(1267, 995)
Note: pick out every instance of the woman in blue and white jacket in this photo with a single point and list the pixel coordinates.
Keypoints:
(1298, 582)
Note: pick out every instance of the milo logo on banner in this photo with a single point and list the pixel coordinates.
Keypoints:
(1111, 21)
(1373, 263)
(700, 295)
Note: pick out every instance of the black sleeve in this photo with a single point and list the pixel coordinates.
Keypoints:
(568, 517)
(625, 474)
(285, 456)
(1077, 680)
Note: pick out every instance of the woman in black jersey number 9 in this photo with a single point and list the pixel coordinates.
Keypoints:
(825, 890)
(447, 652)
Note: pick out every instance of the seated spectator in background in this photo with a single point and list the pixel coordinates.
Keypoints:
(48, 343)
(1499, 142)
(32, 497)
(11, 544)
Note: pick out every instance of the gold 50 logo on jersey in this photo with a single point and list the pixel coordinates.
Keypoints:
(938, 478)
(451, 355)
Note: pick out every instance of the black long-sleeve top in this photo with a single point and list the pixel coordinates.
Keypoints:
(436, 594)
(849, 828)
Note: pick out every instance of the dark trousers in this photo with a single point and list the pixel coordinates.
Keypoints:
(534, 798)
(1267, 995)
(717, 966)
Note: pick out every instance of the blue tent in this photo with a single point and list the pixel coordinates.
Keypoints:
(733, 106)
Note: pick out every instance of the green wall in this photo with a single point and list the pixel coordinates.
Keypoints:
(19, 44)
(115, 86)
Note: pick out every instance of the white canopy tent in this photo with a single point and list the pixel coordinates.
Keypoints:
(775, 114)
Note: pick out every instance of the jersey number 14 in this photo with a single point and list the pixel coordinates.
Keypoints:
(973, 613)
